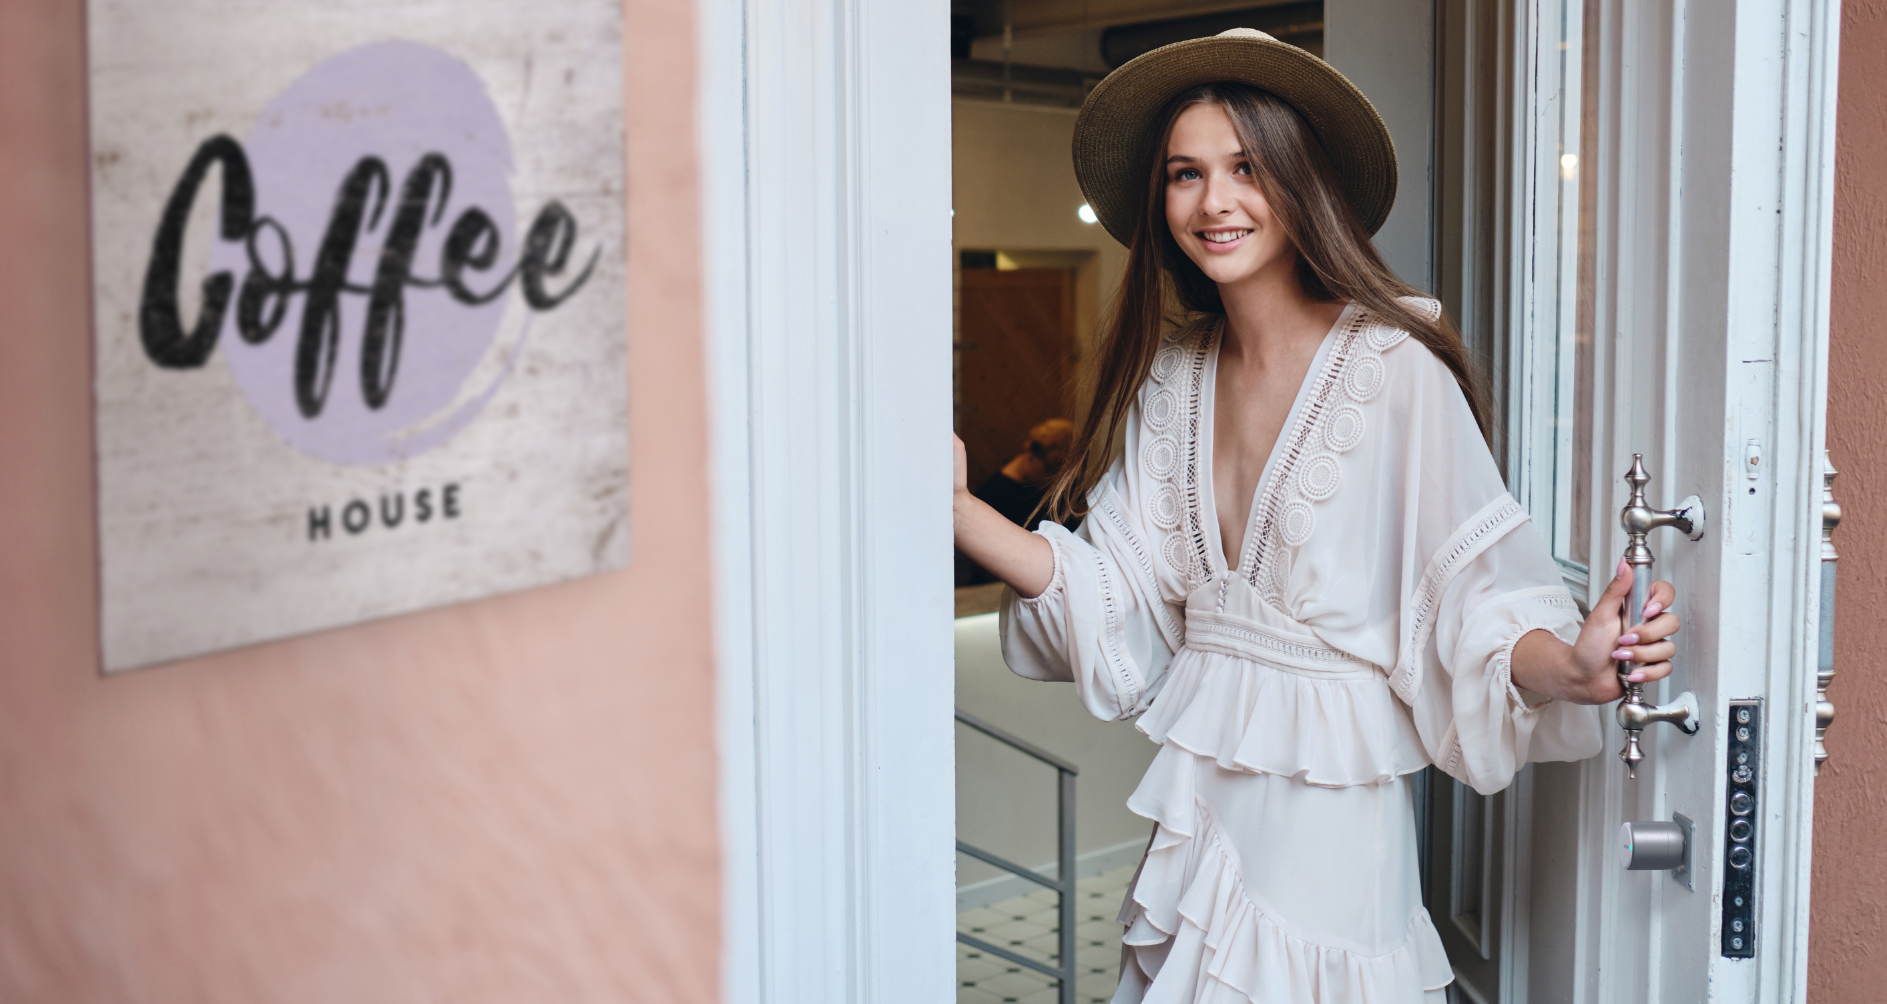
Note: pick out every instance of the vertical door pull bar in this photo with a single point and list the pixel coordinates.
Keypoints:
(1638, 520)
(1825, 668)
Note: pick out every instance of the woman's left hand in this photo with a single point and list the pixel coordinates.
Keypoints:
(1585, 672)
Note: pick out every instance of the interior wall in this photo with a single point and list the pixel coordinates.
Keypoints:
(1848, 906)
(506, 800)
(1013, 188)
(1387, 49)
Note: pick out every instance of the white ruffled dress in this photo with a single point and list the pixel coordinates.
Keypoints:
(1366, 632)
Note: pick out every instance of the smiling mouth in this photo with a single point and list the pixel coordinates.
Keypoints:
(1223, 236)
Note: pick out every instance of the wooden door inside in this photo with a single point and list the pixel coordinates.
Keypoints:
(1015, 360)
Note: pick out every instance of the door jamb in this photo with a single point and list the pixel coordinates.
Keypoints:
(825, 145)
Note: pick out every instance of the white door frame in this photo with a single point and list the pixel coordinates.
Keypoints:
(825, 138)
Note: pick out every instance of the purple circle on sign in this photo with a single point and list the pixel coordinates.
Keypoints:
(398, 102)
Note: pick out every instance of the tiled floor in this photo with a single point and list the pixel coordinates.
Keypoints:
(1027, 926)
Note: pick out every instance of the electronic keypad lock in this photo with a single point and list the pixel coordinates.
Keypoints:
(1638, 520)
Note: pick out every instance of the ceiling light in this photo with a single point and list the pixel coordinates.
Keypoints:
(1086, 212)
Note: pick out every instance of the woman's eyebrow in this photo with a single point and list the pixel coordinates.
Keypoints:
(1181, 158)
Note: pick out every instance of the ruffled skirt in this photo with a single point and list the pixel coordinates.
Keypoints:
(1282, 868)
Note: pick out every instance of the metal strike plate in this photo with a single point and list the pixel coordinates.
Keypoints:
(1744, 772)
(1682, 873)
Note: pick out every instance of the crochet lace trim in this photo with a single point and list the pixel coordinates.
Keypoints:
(1173, 628)
(1129, 683)
(1330, 424)
(1475, 536)
(1171, 455)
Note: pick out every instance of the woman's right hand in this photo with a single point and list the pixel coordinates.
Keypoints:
(962, 483)
(1024, 560)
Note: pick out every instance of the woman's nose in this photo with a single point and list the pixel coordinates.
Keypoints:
(1217, 201)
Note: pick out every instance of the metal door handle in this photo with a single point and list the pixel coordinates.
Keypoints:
(1638, 520)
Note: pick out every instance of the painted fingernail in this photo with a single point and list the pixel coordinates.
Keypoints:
(1622, 654)
(1636, 678)
(1652, 608)
(1628, 639)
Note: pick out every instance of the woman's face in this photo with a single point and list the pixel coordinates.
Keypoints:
(1214, 205)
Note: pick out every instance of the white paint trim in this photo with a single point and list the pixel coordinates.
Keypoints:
(722, 144)
(825, 138)
(1819, 71)
(1516, 862)
(1809, 37)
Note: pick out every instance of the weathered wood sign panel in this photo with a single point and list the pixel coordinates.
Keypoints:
(359, 320)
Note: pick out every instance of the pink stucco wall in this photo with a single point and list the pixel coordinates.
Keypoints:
(509, 800)
(1848, 931)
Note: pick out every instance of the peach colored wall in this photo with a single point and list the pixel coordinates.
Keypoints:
(1848, 927)
(509, 800)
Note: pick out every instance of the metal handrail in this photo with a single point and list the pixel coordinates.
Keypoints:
(1014, 741)
(1064, 881)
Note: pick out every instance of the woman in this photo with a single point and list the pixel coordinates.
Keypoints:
(1303, 572)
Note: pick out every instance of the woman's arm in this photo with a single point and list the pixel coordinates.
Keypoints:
(1583, 672)
(1012, 554)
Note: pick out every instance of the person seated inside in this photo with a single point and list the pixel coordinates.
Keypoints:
(1017, 489)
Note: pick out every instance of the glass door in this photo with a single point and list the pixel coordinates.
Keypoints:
(1508, 251)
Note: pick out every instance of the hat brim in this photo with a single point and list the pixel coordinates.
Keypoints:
(1114, 134)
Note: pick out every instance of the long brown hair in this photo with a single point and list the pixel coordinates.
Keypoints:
(1335, 262)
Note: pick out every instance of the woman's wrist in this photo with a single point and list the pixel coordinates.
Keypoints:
(1011, 553)
(962, 504)
(1542, 664)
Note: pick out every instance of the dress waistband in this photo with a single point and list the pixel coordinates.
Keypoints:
(1244, 639)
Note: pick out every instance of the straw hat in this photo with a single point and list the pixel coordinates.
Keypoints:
(1114, 133)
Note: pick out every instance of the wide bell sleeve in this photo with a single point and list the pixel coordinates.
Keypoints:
(1476, 577)
(1478, 725)
(1102, 623)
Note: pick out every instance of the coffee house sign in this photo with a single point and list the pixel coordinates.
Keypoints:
(358, 310)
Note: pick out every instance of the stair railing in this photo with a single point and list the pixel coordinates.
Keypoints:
(1064, 882)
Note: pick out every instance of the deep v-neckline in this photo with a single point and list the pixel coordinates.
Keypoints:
(1207, 499)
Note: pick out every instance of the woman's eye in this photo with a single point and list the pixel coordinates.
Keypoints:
(1186, 174)
(1243, 169)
